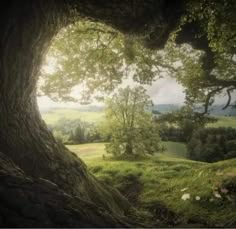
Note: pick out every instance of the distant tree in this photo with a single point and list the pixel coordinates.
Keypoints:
(100, 57)
(212, 144)
(75, 131)
(79, 134)
(183, 122)
(61, 137)
(130, 124)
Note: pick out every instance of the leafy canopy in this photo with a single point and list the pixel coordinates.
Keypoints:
(98, 57)
(130, 123)
(214, 23)
(186, 120)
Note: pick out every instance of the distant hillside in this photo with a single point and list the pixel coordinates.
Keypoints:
(164, 108)
(84, 108)
(214, 110)
(217, 110)
(96, 113)
(54, 115)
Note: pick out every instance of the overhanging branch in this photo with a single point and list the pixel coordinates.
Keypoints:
(209, 96)
(229, 98)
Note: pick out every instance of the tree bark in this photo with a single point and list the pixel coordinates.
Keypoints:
(27, 28)
(28, 202)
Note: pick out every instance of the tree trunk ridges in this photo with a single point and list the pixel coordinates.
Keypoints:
(27, 28)
(26, 33)
(28, 202)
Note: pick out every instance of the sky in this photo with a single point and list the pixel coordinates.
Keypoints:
(163, 91)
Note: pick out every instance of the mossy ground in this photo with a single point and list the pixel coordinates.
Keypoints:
(155, 185)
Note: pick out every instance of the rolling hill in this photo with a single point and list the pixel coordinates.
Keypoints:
(96, 114)
(168, 190)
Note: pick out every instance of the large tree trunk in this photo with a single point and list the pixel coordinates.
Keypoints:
(27, 202)
(27, 28)
(25, 35)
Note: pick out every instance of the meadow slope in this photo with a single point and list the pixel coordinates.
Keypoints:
(167, 189)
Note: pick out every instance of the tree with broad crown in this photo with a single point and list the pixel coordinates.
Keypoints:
(130, 123)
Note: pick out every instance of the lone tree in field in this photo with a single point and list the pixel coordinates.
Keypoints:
(130, 124)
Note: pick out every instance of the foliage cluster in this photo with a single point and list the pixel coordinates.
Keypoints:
(179, 125)
(133, 132)
(203, 144)
(76, 131)
(98, 57)
(212, 144)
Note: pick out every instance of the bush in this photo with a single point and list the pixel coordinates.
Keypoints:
(212, 144)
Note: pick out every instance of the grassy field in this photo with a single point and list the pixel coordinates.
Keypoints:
(167, 189)
(94, 151)
(224, 121)
(53, 116)
(175, 149)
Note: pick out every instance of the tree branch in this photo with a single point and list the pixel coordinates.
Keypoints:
(229, 98)
(207, 101)
(98, 30)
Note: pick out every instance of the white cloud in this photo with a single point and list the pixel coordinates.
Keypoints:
(166, 90)
(163, 91)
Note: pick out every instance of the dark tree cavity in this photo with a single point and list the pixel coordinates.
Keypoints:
(27, 28)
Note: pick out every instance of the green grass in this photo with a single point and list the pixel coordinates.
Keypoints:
(158, 182)
(91, 151)
(53, 116)
(175, 149)
(224, 121)
(94, 151)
